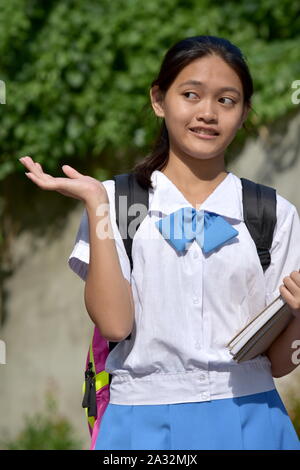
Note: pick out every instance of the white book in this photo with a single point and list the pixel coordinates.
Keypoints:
(256, 337)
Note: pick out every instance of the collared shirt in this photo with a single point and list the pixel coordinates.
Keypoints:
(188, 307)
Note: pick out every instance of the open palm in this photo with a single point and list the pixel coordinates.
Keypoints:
(76, 185)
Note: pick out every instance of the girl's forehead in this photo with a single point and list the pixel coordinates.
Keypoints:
(208, 70)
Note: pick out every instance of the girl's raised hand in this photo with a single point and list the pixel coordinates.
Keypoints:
(76, 185)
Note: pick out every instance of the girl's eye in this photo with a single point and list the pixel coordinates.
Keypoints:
(231, 101)
(189, 93)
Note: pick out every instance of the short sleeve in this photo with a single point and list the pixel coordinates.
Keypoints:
(285, 250)
(79, 258)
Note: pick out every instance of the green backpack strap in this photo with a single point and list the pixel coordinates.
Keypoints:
(259, 207)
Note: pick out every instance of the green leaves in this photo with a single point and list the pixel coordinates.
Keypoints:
(46, 430)
(78, 73)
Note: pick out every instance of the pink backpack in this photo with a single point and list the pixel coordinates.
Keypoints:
(96, 385)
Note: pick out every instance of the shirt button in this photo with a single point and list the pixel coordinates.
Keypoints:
(202, 377)
(196, 254)
(204, 396)
(196, 300)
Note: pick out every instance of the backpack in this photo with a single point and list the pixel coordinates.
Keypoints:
(259, 208)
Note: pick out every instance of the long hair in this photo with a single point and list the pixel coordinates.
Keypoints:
(176, 58)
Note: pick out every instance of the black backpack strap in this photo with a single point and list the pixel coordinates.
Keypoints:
(127, 185)
(259, 206)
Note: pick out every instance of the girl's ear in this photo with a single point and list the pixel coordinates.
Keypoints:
(156, 97)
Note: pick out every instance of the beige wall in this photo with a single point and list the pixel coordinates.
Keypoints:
(47, 333)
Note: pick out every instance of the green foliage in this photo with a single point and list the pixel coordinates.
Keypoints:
(78, 73)
(45, 431)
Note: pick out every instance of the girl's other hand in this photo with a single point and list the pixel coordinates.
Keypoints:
(290, 291)
(76, 185)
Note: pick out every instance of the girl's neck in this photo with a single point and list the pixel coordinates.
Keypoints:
(194, 178)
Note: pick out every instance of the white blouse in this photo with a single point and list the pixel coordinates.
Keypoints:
(188, 307)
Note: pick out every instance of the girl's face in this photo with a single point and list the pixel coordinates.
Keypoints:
(213, 99)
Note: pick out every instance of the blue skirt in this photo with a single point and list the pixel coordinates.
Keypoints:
(254, 422)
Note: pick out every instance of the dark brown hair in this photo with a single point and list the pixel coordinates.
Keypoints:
(176, 58)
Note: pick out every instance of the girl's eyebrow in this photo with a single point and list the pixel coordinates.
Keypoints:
(197, 83)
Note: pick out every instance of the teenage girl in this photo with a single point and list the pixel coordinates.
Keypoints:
(175, 384)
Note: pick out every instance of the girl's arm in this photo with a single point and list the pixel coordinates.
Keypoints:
(107, 294)
(283, 351)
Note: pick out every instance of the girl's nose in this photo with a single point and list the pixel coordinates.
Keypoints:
(206, 111)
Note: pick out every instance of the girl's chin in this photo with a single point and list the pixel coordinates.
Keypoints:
(204, 152)
(204, 155)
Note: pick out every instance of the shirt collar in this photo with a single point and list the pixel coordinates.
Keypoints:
(224, 200)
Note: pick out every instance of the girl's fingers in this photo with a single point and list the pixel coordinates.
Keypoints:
(289, 297)
(63, 185)
(34, 167)
(71, 172)
(70, 186)
(291, 285)
(42, 180)
(36, 170)
(39, 166)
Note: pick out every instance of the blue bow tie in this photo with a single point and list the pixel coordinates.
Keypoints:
(209, 229)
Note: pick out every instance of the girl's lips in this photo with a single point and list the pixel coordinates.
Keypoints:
(203, 136)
